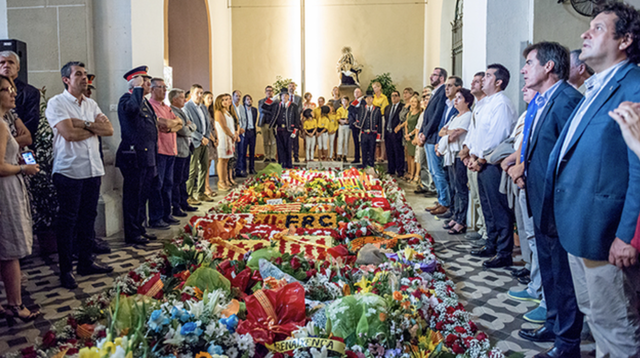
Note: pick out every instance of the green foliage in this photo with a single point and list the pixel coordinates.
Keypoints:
(386, 82)
(280, 83)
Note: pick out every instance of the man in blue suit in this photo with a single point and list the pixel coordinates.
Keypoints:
(593, 186)
(428, 134)
(546, 71)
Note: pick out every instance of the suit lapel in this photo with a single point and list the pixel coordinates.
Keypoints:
(533, 136)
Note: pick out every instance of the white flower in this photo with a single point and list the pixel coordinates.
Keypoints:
(174, 337)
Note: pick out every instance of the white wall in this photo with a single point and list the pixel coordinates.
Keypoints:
(147, 35)
(221, 58)
(4, 28)
(474, 38)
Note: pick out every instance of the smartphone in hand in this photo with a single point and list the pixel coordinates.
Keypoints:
(28, 157)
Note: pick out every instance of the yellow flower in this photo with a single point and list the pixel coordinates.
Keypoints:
(92, 352)
(203, 355)
(364, 284)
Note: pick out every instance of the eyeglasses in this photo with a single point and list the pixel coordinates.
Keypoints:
(11, 90)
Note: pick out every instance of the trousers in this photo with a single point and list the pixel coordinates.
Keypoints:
(198, 171)
(395, 153)
(135, 191)
(180, 175)
(368, 149)
(310, 142)
(355, 133)
(161, 189)
(268, 142)
(343, 140)
(283, 141)
(498, 216)
(438, 175)
(458, 177)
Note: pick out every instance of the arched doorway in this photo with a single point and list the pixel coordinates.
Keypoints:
(189, 42)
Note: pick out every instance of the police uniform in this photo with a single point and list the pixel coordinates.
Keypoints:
(369, 123)
(136, 156)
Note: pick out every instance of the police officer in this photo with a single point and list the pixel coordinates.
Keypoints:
(136, 155)
(370, 123)
(286, 122)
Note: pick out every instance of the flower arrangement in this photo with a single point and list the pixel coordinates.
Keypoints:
(194, 300)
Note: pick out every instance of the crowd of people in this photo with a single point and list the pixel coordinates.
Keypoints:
(564, 173)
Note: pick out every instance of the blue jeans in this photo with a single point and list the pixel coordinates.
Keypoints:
(437, 173)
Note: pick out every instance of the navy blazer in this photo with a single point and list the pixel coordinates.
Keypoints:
(595, 190)
(28, 106)
(254, 116)
(541, 142)
(433, 115)
(139, 131)
(370, 121)
(292, 118)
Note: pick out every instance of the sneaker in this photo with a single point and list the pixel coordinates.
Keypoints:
(538, 315)
(522, 296)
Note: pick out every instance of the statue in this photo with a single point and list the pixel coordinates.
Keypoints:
(348, 68)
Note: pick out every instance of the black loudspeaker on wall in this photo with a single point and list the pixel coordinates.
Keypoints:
(20, 48)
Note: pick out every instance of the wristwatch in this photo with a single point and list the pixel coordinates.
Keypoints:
(87, 124)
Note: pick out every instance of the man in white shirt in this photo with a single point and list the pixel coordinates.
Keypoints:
(492, 123)
(77, 122)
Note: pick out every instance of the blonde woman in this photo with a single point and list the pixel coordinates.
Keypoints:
(227, 138)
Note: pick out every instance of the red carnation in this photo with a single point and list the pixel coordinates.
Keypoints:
(481, 336)
(439, 325)
(311, 273)
(473, 326)
(460, 329)
(457, 349)
(295, 263)
(278, 260)
(451, 338)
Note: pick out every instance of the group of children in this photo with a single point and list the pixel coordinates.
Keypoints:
(321, 125)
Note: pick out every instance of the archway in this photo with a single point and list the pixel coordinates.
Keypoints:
(189, 42)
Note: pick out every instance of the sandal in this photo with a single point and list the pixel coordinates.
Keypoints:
(449, 224)
(13, 312)
(453, 231)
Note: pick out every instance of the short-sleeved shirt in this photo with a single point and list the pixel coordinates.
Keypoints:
(78, 159)
(322, 123)
(167, 143)
(310, 124)
(333, 122)
(343, 113)
(381, 102)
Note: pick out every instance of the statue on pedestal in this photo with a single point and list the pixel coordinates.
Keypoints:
(348, 68)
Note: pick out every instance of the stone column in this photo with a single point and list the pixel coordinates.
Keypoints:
(113, 58)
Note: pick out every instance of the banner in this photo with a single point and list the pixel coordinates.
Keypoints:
(303, 220)
(291, 344)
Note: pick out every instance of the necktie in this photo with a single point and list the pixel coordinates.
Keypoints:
(528, 121)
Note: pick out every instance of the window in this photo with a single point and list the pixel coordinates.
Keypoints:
(456, 40)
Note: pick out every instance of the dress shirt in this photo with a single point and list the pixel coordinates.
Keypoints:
(249, 114)
(77, 159)
(167, 144)
(445, 115)
(494, 121)
(541, 102)
(529, 116)
(518, 131)
(472, 126)
(594, 85)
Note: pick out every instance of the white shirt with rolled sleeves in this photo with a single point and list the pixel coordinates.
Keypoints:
(79, 159)
(494, 121)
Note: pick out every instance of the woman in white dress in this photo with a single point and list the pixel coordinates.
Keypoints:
(227, 138)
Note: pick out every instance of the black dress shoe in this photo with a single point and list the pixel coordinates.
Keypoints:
(555, 352)
(171, 220)
(190, 208)
(420, 190)
(148, 236)
(253, 172)
(94, 268)
(524, 280)
(498, 261)
(137, 240)
(179, 213)
(540, 334)
(160, 225)
(520, 272)
(355, 162)
(483, 252)
(68, 281)
(101, 247)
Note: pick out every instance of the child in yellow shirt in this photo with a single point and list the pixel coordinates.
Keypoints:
(332, 129)
(322, 131)
(309, 126)
(343, 130)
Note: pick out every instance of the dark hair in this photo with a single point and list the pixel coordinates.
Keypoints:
(234, 92)
(481, 73)
(206, 93)
(502, 74)
(307, 113)
(268, 86)
(65, 71)
(468, 97)
(554, 52)
(575, 55)
(322, 98)
(244, 98)
(628, 23)
(457, 81)
(443, 72)
(346, 97)
(325, 110)
(392, 92)
(155, 80)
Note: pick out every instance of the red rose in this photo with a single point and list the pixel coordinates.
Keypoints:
(72, 351)
(459, 329)
(481, 336)
(295, 263)
(29, 352)
(451, 338)
(457, 349)
(439, 325)
(278, 260)
(473, 326)
(49, 339)
(311, 273)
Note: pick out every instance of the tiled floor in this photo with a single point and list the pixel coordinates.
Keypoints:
(482, 292)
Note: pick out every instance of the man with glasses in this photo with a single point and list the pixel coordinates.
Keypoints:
(162, 185)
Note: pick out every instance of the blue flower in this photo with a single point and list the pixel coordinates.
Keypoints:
(231, 322)
(214, 349)
(181, 314)
(191, 331)
(157, 320)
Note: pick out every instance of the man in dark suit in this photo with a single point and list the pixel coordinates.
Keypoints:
(354, 116)
(393, 138)
(27, 98)
(297, 100)
(285, 120)
(249, 134)
(428, 134)
(370, 122)
(136, 155)
(546, 71)
(593, 186)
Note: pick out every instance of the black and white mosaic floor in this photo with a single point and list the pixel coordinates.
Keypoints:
(482, 292)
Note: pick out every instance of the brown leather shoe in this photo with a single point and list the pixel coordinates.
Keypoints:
(434, 207)
(439, 210)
